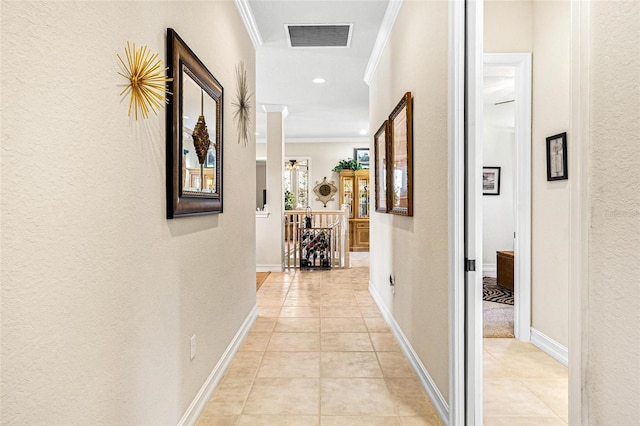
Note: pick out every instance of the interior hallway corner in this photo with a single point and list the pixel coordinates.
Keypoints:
(319, 353)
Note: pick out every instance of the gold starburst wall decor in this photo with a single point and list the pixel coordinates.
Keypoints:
(242, 113)
(147, 80)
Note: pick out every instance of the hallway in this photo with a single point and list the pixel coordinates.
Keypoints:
(319, 353)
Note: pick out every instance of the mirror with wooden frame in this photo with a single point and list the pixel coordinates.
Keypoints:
(399, 156)
(194, 134)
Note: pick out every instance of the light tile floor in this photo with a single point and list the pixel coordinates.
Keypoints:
(523, 385)
(319, 354)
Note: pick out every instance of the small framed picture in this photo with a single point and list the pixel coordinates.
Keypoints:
(557, 157)
(491, 181)
(361, 155)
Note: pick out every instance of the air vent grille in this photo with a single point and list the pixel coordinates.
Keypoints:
(319, 35)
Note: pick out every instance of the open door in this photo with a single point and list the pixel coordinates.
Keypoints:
(465, 220)
(473, 211)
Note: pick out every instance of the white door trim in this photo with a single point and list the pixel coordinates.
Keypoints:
(457, 369)
(522, 196)
(579, 211)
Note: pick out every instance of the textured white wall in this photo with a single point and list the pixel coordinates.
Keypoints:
(101, 293)
(415, 249)
(542, 27)
(613, 363)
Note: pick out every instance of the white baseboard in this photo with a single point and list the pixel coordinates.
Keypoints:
(268, 268)
(490, 270)
(549, 346)
(196, 407)
(429, 385)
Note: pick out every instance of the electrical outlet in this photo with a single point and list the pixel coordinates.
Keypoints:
(193, 347)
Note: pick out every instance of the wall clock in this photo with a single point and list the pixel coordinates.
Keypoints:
(325, 191)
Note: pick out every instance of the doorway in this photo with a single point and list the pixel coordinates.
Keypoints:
(507, 88)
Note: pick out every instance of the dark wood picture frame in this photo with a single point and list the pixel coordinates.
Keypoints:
(380, 146)
(400, 158)
(491, 180)
(190, 75)
(359, 154)
(557, 157)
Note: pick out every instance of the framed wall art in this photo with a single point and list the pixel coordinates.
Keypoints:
(491, 181)
(400, 163)
(194, 134)
(557, 157)
(380, 141)
(361, 155)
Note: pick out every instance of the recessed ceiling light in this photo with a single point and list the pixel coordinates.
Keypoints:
(319, 80)
(363, 132)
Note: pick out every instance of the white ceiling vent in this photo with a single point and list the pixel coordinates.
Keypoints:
(318, 35)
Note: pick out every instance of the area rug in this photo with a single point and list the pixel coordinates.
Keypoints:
(260, 277)
(492, 292)
(497, 310)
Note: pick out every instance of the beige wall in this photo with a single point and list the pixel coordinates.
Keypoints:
(415, 249)
(613, 373)
(543, 28)
(100, 292)
(323, 158)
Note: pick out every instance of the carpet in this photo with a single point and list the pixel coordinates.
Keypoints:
(497, 310)
(492, 292)
(260, 277)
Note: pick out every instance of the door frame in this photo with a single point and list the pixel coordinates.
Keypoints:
(522, 186)
(466, 395)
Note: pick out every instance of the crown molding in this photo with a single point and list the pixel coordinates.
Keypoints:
(276, 108)
(249, 22)
(381, 40)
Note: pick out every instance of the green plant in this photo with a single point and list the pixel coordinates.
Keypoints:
(348, 164)
(288, 200)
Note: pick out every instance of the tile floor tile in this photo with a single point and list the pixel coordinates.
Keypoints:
(297, 325)
(289, 396)
(377, 325)
(290, 364)
(275, 420)
(349, 364)
(359, 421)
(426, 420)
(230, 396)
(510, 397)
(342, 325)
(281, 342)
(341, 312)
(409, 397)
(300, 312)
(255, 342)
(395, 364)
(356, 396)
(244, 364)
(209, 419)
(333, 342)
(384, 342)
(523, 421)
(263, 325)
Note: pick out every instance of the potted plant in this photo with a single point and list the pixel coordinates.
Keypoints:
(348, 164)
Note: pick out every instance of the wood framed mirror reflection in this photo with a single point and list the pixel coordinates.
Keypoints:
(194, 134)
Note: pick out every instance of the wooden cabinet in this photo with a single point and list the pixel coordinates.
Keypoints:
(505, 269)
(354, 192)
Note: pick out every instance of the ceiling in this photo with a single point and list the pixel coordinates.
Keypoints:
(337, 110)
